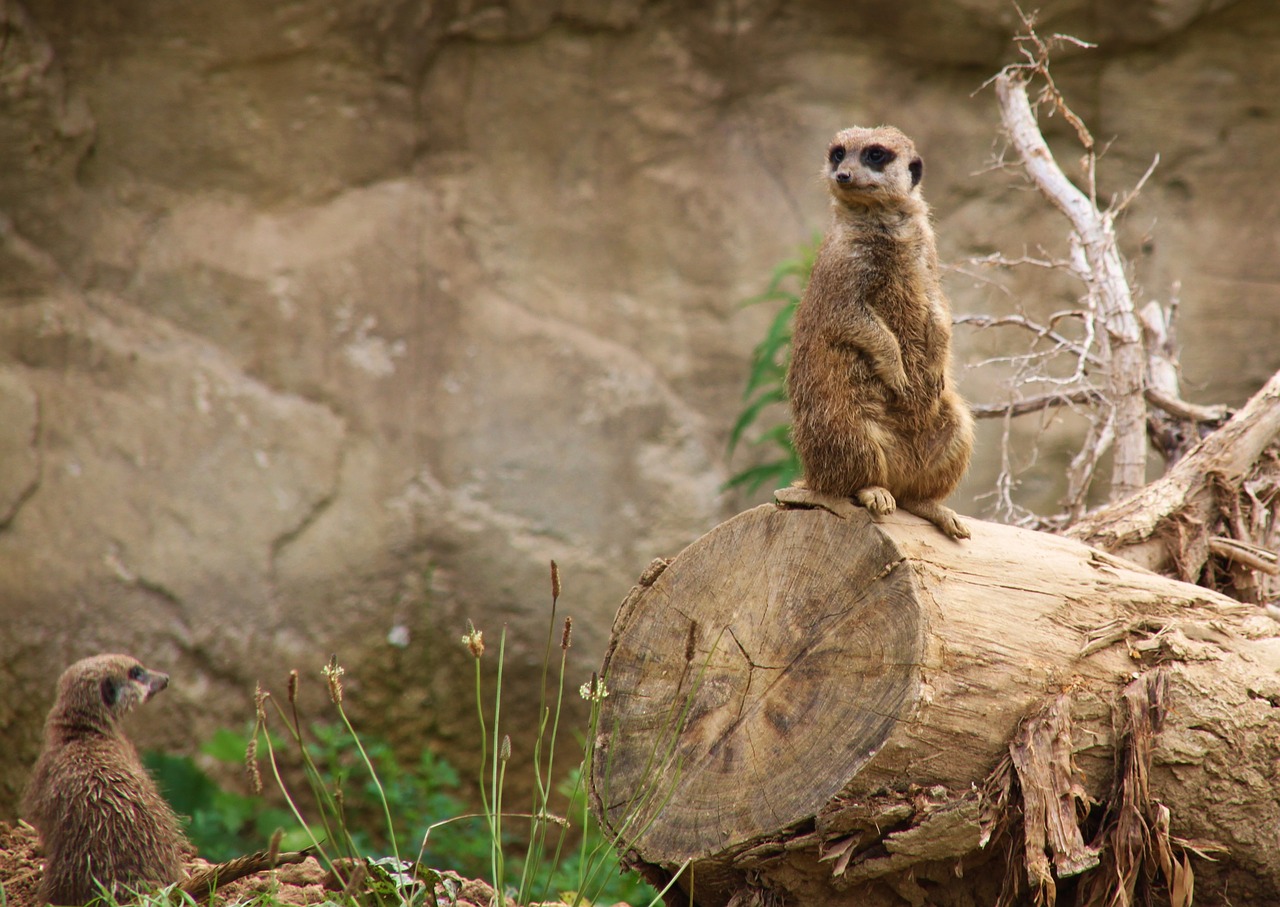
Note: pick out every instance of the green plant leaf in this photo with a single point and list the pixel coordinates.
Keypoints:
(766, 381)
(755, 476)
(226, 746)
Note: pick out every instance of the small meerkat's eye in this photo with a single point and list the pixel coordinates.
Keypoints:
(836, 154)
(136, 672)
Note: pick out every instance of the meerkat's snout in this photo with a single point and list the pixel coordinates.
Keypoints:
(155, 682)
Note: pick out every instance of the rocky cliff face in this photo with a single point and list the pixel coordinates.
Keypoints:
(325, 325)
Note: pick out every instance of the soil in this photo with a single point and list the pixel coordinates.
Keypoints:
(304, 883)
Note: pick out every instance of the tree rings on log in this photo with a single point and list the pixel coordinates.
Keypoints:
(795, 662)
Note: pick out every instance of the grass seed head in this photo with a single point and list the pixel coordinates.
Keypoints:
(333, 674)
(474, 641)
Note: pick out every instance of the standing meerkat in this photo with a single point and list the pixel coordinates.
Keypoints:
(100, 816)
(875, 417)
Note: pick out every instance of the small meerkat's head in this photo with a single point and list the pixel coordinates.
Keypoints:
(872, 167)
(98, 691)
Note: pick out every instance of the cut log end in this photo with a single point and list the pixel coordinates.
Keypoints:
(739, 693)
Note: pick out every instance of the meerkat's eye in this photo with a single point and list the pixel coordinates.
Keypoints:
(836, 154)
(136, 672)
(876, 156)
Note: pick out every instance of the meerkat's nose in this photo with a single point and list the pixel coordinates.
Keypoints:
(156, 681)
(843, 177)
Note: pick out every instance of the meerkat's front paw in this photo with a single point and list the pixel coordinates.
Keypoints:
(878, 501)
(901, 386)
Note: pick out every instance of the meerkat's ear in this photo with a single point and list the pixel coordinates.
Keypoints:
(917, 171)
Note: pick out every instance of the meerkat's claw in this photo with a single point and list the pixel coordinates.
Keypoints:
(878, 501)
(955, 527)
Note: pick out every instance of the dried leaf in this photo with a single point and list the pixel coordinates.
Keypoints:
(1182, 884)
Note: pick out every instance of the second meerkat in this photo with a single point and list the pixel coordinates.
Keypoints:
(875, 416)
(101, 818)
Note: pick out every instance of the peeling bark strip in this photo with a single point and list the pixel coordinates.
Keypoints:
(1132, 848)
(1052, 799)
(1135, 836)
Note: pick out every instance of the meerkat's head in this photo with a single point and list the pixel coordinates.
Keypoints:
(872, 167)
(98, 691)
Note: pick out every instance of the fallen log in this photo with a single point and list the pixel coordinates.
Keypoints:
(805, 709)
(1169, 525)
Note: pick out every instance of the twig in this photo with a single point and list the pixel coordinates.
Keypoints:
(1250, 556)
(1118, 207)
(1035, 404)
(1040, 330)
(1181, 409)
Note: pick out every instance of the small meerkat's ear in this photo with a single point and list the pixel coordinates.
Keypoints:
(917, 171)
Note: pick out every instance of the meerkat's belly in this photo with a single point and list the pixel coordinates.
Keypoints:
(853, 441)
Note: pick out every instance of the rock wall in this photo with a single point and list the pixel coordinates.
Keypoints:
(325, 325)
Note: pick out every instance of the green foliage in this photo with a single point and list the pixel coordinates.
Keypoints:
(767, 383)
(417, 798)
(225, 824)
(592, 861)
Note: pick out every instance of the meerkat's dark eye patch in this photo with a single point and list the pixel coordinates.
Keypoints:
(836, 154)
(877, 157)
(917, 171)
(110, 691)
(137, 673)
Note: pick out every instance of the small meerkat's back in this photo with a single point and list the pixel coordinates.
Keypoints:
(875, 416)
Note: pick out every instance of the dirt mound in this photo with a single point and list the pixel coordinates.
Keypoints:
(301, 884)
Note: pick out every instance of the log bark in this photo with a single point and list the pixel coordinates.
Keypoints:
(805, 709)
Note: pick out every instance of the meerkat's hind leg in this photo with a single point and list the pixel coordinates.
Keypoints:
(940, 515)
(878, 501)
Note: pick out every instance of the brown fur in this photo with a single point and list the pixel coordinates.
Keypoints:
(100, 816)
(874, 413)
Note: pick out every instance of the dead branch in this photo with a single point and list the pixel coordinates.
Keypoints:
(1034, 404)
(1041, 331)
(1181, 409)
(1251, 556)
(1104, 275)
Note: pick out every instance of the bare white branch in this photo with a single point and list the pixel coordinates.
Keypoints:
(1109, 289)
(1118, 207)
